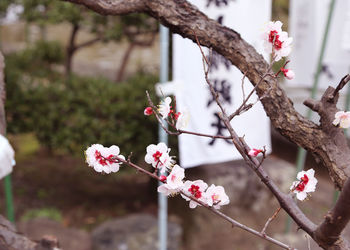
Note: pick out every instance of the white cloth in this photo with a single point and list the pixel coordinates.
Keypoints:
(7, 157)
(248, 18)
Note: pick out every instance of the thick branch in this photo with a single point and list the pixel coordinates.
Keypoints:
(183, 18)
(115, 7)
(328, 233)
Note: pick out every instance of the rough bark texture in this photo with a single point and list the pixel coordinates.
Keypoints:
(326, 142)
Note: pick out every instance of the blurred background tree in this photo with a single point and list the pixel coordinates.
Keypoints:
(137, 29)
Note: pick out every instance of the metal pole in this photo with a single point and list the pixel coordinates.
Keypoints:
(301, 156)
(163, 137)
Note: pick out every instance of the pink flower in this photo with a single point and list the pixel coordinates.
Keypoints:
(164, 108)
(288, 73)
(276, 41)
(195, 189)
(342, 118)
(158, 156)
(306, 183)
(148, 111)
(216, 196)
(254, 152)
(102, 158)
(174, 181)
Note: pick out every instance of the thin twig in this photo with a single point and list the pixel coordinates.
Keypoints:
(263, 231)
(180, 131)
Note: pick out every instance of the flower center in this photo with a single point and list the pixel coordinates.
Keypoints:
(274, 39)
(156, 156)
(215, 197)
(173, 177)
(194, 190)
(303, 181)
(99, 158)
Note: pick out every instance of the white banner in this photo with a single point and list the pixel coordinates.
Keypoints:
(248, 18)
(307, 26)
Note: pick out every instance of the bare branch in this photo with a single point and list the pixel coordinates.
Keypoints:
(270, 219)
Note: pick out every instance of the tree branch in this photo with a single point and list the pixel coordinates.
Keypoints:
(115, 7)
(183, 18)
(328, 233)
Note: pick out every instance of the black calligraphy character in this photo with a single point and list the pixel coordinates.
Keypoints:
(223, 88)
(220, 126)
(218, 3)
(217, 59)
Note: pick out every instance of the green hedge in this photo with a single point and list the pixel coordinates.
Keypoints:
(71, 116)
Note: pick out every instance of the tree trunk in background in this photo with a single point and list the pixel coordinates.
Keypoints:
(125, 60)
(70, 51)
(2, 96)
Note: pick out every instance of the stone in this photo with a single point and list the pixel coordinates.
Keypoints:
(134, 232)
(40, 229)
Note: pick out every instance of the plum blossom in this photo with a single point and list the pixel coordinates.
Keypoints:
(102, 158)
(174, 181)
(7, 157)
(342, 119)
(306, 183)
(148, 111)
(195, 189)
(158, 156)
(164, 108)
(276, 41)
(182, 119)
(216, 196)
(288, 73)
(254, 152)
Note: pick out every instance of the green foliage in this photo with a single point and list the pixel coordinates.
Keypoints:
(71, 116)
(49, 212)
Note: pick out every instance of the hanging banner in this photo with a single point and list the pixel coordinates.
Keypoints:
(248, 18)
(307, 27)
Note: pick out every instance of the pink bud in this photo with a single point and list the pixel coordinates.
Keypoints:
(148, 111)
(162, 178)
(254, 152)
(288, 73)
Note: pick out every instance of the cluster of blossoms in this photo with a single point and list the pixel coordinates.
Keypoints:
(214, 196)
(305, 184)
(342, 119)
(107, 160)
(165, 110)
(278, 43)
